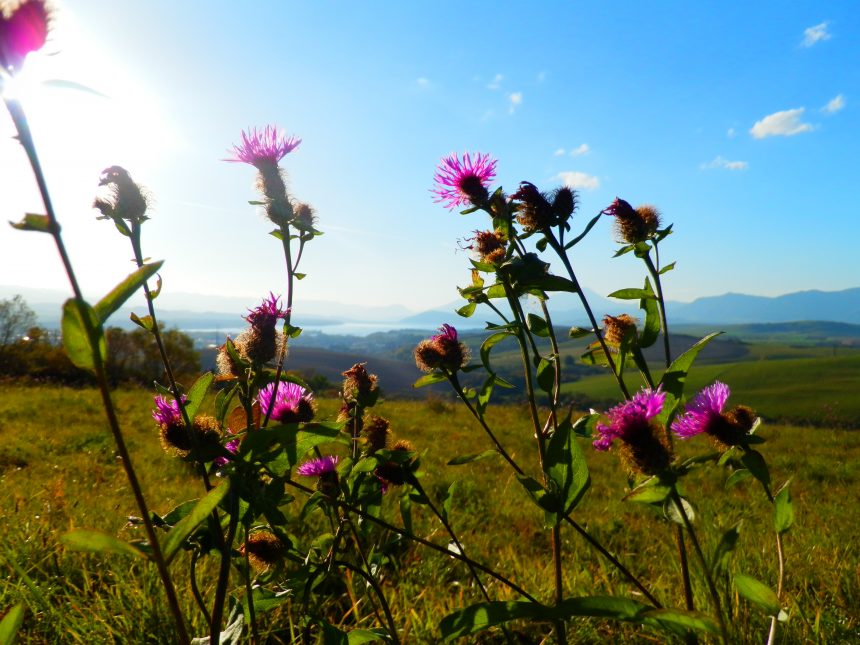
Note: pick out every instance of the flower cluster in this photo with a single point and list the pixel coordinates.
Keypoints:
(538, 212)
(261, 148)
(633, 225)
(289, 402)
(704, 415)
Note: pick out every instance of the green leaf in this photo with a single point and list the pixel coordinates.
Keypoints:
(680, 622)
(737, 476)
(186, 526)
(757, 593)
(146, 322)
(468, 459)
(361, 636)
(545, 500)
(667, 268)
(755, 463)
(98, 542)
(299, 276)
(467, 310)
(566, 468)
(579, 237)
(10, 624)
(197, 393)
(125, 290)
(783, 511)
(651, 330)
(488, 345)
(579, 332)
(481, 616)
(537, 326)
(546, 375)
(632, 294)
(154, 293)
(584, 425)
(725, 548)
(448, 499)
(33, 222)
(673, 513)
(430, 379)
(675, 377)
(651, 492)
(75, 338)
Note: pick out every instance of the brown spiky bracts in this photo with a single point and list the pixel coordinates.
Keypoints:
(394, 471)
(490, 246)
(359, 386)
(224, 363)
(264, 549)
(642, 444)
(351, 414)
(733, 427)
(261, 342)
(271, 184)
(534, 211)
(22, 31)
(376, 433)
(305, 216)
(564, 202)
(618, 328)
(125, 200)
(205, 433)
(441, 352)
(633, 225)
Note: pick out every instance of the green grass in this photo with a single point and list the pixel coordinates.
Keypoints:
(58, 471)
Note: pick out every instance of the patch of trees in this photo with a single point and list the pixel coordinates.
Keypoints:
(33, 352)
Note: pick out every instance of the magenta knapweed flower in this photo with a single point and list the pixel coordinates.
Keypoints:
(463, 181)
(232, 447)
(266, 146)
(629, 418)
(446, 333)
(267, 314)
(318, 467)
(167, 413)
(24, 31)
(292, 403)
(703, 412)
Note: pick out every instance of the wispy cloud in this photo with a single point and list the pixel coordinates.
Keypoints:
(496, 83)
(720, 162)
(815, 34)
(541, 77)
(515, 100)
(558, 153)
(730, 133)
(786, 123)
(577, 179)
(422, 83)
(834, 105)
(580, 150)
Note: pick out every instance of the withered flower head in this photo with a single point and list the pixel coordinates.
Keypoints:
(534, 212)
(261, 342)
(489, 245)
(125, 200)
(264, 549)
(633, 225)
(617, 328)
(443, 351)
(358, 384)
(376, 432)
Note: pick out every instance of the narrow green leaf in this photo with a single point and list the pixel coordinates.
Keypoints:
(98, 542)
(737, 476)
(481, 616)
(361, 636)
(197, 393)
(725, 548)
(146, 322)
(186, 526)
(579, 237)
(488, 345)
(10, 624)
(757, 593)
(154, 293)
(299, 276)
(783, 511)
(467, 310)
(546, 375)
(631, 294)
(667, 268)
(675, 377)
(579, 332)
(673, 513)
(33, 222)
(651, 330)
(125, 290)
(566, 468)
(680, 622)
(429, 379)
(468, 459)
(755, 463)
(76, 341)
(648, 493)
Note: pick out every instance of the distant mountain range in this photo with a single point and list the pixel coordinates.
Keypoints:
(196, 311)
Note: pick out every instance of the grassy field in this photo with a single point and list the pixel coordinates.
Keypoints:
(58, 471)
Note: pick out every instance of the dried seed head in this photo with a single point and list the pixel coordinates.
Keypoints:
(564, 203)
(125, 200)
(358, 384)
(534, 212)
(617, 328)
(731, 428)
(264, 549)
(376, 432)
(633, 225)
(489, 245)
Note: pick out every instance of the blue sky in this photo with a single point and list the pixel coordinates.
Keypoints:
(738, 120)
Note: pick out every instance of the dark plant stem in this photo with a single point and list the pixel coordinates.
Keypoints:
(224, 572)
(195, 590)
(249, 594)
(562, 254)
(661, 304)
(771, 637)
(712, 589)
(26, 139)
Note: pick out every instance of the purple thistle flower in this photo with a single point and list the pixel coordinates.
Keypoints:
(24, 31)
(167, 413)
(231, 446)
(318, 467)
(267, 313)
(460, 182)
(446, 333)
(626, 419)
(703, 413)
(263, 147)
(292, 403)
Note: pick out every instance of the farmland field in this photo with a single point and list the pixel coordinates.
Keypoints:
(58, 471)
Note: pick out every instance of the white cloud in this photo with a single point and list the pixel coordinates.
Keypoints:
(786, 123)
(730, 133)
(720, 162)
(422, 82)
(515, 99)
(583, 149)
(496, 83)
(815, 34)
(834, 105)
(558, 153)
(577, 179)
